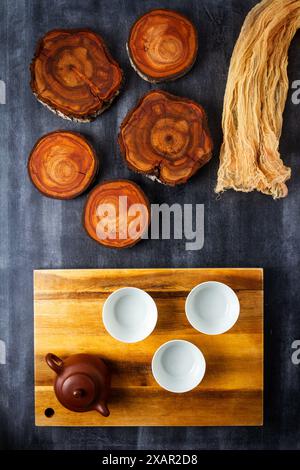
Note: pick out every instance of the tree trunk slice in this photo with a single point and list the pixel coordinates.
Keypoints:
(110, 218)
(74, 75)
(166, 138)
(62, 165)
(162, 45)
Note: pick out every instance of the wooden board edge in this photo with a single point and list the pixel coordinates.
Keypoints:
(46, 271)
(237, 425)
(263, 348)
(39, 275)
(35, 371)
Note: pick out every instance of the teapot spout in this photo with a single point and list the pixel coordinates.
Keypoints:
(102, 409)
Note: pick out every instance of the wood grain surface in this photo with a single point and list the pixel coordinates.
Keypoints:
(67, 320)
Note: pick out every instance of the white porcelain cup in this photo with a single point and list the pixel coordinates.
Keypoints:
(178, 366)
(212, 308)
(129, 314)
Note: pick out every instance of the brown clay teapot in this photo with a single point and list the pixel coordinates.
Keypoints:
(82, 382)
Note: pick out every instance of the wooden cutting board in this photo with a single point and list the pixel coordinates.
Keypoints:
(67, 320)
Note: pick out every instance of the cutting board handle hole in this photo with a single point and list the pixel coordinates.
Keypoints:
(49, 412)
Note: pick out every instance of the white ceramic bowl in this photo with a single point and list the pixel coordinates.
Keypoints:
(178, 366)
(212, 308)
(129, 314)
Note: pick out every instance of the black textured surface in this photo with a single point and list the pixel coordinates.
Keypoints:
(240, 229)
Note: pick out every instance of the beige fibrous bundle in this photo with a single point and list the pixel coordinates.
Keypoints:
(254, 101)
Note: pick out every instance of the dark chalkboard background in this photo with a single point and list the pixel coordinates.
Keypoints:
(240, 229)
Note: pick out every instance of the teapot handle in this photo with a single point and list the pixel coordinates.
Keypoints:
(54, 362)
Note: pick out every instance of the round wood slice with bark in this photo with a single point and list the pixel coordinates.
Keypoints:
(62, 165)
(116, 213)
(166, 137)
(162, 45)
(74, 75)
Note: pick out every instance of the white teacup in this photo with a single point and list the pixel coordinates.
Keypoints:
(212, 308)
(178, 366)
(129, 314)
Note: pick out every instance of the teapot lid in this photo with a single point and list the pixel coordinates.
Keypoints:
(77, 391)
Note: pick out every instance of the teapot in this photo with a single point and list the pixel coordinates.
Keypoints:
(82, 382)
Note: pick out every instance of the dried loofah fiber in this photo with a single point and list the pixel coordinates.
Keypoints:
(254, 101)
